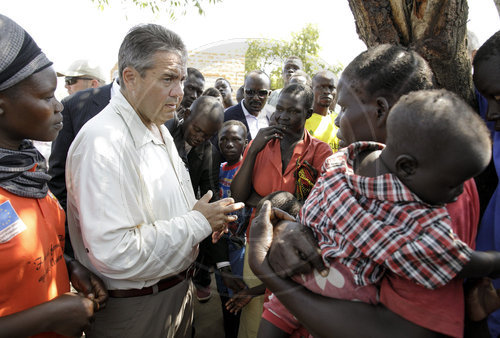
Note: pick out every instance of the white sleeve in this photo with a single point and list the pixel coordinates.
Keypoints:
(105, 195)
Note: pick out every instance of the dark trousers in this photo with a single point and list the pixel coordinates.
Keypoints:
(231, 321)
(203, 264)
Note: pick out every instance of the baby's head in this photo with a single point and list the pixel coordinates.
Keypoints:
(435, 142)
(282, 200)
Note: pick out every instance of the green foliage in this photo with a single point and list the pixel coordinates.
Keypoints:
(173, 8)
(269, 54)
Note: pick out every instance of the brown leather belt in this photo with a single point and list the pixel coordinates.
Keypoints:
(162, 285)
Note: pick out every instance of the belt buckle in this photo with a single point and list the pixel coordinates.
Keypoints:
(155, 288)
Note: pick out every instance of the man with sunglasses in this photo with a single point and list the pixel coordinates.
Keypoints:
(81, 75)
(252, 110)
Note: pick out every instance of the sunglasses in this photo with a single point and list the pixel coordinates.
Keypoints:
(72, 80)
(261, 93)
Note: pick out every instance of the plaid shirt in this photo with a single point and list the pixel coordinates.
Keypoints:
(375, 223)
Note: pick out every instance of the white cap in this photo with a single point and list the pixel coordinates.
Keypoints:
(81, 68)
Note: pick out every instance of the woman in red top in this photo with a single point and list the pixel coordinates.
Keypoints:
(282, 157)
(35, 295)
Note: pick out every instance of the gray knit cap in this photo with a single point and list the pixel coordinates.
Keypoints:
(20, 57)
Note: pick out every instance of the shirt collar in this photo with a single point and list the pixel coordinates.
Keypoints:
(141, 135)
(387, 187)
(115, 88)
(245, 111)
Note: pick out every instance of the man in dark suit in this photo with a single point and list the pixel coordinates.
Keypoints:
(78, 109)
(252, 110)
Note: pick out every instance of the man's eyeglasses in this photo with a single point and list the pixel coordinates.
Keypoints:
(261, 93)
(72, 80)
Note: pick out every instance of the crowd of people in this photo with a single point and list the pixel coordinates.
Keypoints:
(364, 222)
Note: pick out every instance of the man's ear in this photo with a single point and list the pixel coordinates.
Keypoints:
(406, 165)
(309, 113)
(187, 112)
(130, 76)
(382, 110)
(95, 83)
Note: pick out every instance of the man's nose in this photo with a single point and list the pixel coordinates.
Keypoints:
(337, 120)
(177, 90)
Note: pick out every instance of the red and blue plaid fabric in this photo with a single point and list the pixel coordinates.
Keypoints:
(376, 223)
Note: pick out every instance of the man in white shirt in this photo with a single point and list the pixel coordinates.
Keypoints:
(132, 214)
(252, 110)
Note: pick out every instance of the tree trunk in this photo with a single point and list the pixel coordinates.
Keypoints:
(436, 29)
(497, 3)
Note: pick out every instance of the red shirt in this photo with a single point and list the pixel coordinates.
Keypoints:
(268, 176)
(442, 309)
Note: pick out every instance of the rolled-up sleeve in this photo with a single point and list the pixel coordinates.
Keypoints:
(130, 211)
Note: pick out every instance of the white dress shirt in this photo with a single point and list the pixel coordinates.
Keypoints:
(130, 201)
(256, 122)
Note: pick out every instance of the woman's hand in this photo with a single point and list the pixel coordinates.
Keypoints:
(238, 301)
(72, 314)
(261, 234)
(88, 284)
(265, 135)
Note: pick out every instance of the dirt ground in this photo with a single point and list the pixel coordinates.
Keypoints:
(208, 316)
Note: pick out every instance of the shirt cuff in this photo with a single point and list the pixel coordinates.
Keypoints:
(221, 265)
(203, 223)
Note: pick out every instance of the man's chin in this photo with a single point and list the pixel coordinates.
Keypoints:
(166, 115)
(255, 109)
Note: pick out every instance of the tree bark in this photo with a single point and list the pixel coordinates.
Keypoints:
(436, 29)
(497, 3)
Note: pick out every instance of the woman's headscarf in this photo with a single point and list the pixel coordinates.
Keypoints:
(20, 57)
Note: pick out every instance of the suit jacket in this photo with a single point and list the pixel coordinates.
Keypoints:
(236, 113)
(78, 109)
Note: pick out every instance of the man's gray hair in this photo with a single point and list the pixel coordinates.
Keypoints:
(142, 42)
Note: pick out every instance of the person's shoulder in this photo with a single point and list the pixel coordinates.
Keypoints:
(103, 125)
(89, 94)
(318, 145)
(173, 124)
(232, 113)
